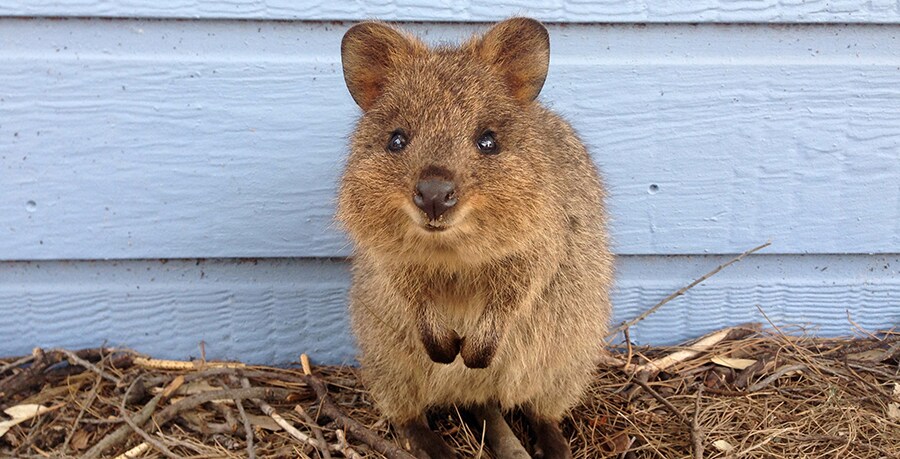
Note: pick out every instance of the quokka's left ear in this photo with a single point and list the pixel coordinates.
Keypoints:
(520, 49)
(369, 53)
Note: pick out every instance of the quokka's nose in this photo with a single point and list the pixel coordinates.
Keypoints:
(435, 196)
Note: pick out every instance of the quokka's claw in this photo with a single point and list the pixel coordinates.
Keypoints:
(479, 353)
(442, 346)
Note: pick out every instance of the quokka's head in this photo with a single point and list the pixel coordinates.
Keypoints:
(447, 159)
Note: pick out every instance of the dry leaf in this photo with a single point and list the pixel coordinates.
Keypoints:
(80, 439)
(263, 422)
(723, 446)
(893, 409)
(619, 444)
(598, 422)
(731, 362)
(20, 414)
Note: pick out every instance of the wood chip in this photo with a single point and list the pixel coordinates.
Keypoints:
(723, 446)
(80, 440)
(22, 413)
(893, 409)
(731, 362)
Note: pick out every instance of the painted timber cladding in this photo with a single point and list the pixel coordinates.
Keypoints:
(160, 139)
(137, 140)
(610, 11)
(272, 310)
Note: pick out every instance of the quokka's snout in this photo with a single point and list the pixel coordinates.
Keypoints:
(435, 194)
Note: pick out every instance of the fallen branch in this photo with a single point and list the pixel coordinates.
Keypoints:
(248, 429)
(350, 425)
(30, 376)
(41, 361)
(287, 426)
(344, 448)
(16, 363)
(74, 359)
(317, 431)
(171, 411)
(137, 429)
(121, 434)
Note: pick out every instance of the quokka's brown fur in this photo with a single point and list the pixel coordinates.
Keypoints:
(515, 276)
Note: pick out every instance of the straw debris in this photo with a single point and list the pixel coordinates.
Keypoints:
(742, 392)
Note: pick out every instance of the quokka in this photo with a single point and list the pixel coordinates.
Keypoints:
(481, 268)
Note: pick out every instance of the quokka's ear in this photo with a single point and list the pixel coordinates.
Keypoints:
(520, 48)
(369, 52)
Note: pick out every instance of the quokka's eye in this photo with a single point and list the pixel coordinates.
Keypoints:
(487, 144)
(397, 141)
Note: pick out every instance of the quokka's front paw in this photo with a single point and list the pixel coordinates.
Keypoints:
(441, 344)
(479, 351)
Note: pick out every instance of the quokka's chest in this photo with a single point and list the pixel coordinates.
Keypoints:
(460, 303)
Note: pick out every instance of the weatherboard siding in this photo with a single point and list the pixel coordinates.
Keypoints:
(162, 139)
(270, 311)
(171, 180)
(611, 11)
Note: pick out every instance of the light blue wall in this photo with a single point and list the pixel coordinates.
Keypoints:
(272, 310)
(127, 141)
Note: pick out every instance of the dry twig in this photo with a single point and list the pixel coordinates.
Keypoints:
(76, 360)
(696, 434)
(287, 426)
(317, 431)
(684, 289)
(344, 448)
(91, 397)
(248, 429)
(126, 416)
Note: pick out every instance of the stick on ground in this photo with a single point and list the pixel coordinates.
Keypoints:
(248, 430)
(287, 426)
(696, 434)
(126, 416)
(350, 425)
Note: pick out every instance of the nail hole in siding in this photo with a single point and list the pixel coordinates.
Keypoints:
(31, 206)
(653, 188)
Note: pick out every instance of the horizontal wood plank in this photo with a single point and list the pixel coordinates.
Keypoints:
(270, 311)
(690, 11)
(174, 139)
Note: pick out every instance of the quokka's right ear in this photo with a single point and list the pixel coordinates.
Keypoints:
(369, 53)
(520, 48)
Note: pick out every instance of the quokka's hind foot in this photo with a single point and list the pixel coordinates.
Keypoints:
(550, 443)
(423, 442)
(500, 438)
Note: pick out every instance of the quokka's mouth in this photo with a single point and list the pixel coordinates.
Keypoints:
(434, 227)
